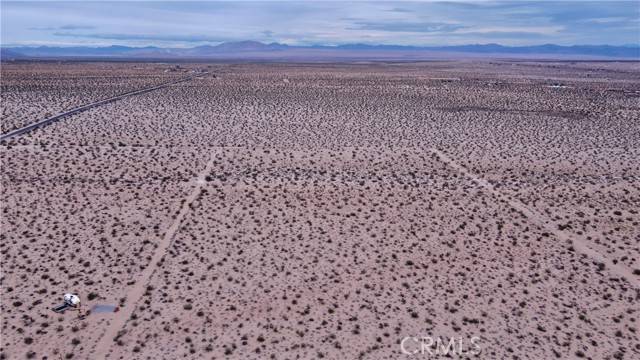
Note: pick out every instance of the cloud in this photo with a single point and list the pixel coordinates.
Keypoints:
(402, 26)
(400, 10)
(501, 35)
(609, 20)
(76, 27)
(63, 27)
(151, 37)
(184, 23)
(541, 30)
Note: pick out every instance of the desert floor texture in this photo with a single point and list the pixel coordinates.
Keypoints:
(302, 211)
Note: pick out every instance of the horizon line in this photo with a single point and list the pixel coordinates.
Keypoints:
(307, 45)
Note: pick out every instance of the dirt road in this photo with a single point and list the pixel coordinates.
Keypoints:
(580, 245)
(135, 293)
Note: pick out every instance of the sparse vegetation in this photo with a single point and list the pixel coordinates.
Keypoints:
(327, 224)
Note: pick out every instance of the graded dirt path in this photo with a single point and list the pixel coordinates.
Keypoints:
(543, 221)
(49, 120)
(101, 350)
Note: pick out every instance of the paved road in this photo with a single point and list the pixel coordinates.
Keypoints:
(47, 121)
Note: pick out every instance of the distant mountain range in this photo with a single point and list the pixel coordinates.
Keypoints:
(253, 50)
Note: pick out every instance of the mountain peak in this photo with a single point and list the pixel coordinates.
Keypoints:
(250, 49)
(247, 45)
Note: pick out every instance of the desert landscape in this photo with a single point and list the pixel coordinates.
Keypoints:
(321, 210)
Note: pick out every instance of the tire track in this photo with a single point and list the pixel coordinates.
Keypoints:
(545, 222)
(134, 295)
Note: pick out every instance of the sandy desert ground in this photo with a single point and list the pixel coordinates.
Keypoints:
(339, 211)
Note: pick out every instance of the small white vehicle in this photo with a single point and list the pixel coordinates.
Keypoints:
(70, 301)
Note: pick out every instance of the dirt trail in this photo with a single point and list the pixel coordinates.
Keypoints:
(135, 293)
(579, 244)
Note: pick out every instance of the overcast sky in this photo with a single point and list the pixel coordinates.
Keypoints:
(188, 24)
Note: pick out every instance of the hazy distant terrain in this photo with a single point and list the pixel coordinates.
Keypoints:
(283, 211)
(253, 50)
